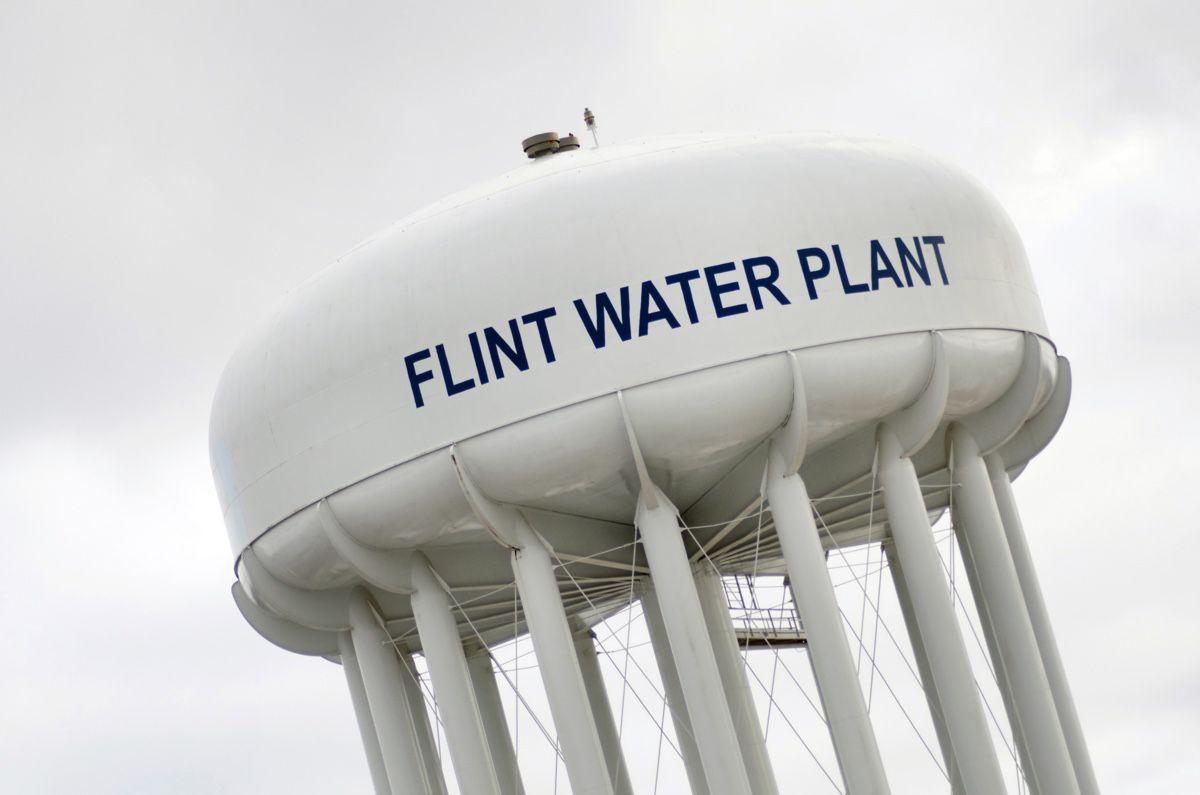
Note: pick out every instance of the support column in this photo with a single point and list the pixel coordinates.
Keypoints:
(676, 703)
(988, 630)
(1040, 619)
(980, 530)
(733, 678)
(383, 680)
(443, 650)
(922, 659)
(559, 664)
(606, 726)
(362, 712)
(828, 649)
(426, 742)
(695, 662)
(940, 633)
(495, 724)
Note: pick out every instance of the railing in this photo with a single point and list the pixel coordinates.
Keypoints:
(762, 611)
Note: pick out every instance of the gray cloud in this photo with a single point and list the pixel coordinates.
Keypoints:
(168, 171)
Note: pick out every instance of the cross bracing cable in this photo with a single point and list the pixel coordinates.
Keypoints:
(662, 718)
(899, 649)
(767, 641)
(962, 605)
(628, 636)
(628, 658)
(1010, 746)
(871, 657)
(586, 588)
(878, 620)
(854, 574)
(471, 624)
(516, 687)
(795, 731)
(862, 615)
(769, 691)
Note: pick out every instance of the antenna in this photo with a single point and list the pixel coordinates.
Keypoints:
(589, 119)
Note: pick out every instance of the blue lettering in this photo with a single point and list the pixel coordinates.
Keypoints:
(878, 257)
(647, 315)
(539, 319)
(848, 286)
(759, 283)
(917, 263)
(515, 353)
(477, 355)
(717, 290)
(610, 318)
(684, 280)
(935, 241)
(415, 379)
(604, 306)
(452, 388)
(811, 276)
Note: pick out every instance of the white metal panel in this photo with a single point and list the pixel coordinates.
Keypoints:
(320, 398)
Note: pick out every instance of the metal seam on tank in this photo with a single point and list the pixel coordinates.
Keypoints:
(598, 396)
(447, 445)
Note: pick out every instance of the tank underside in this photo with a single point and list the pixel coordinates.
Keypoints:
(574, 474)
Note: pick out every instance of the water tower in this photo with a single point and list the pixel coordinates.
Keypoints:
(629, 364)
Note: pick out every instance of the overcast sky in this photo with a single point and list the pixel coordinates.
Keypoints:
(168, 170)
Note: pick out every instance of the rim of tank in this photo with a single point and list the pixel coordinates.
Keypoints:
(589, 398)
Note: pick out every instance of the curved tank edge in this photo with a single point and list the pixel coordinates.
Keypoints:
(238, 549)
